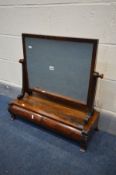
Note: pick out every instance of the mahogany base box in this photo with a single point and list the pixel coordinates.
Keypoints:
(57, 117)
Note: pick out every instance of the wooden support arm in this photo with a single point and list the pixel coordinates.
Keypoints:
(96, 75)
(23, 92)
(25, 86)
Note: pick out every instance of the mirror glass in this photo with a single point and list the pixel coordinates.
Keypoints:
(59, 66)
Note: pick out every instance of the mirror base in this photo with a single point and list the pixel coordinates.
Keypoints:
(56, 117)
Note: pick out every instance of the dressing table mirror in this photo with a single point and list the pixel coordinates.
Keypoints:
(59, 85)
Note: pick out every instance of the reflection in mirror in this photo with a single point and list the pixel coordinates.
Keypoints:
(59, 66)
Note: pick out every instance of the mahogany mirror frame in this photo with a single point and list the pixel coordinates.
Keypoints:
(88, 107)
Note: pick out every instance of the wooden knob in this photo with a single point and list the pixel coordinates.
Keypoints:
(32, 116)
(21, 61)
(96, 74)
(101, 76)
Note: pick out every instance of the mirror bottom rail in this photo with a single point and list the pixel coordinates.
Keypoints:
(81, 133)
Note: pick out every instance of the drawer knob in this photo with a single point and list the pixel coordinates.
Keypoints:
(32, 116)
